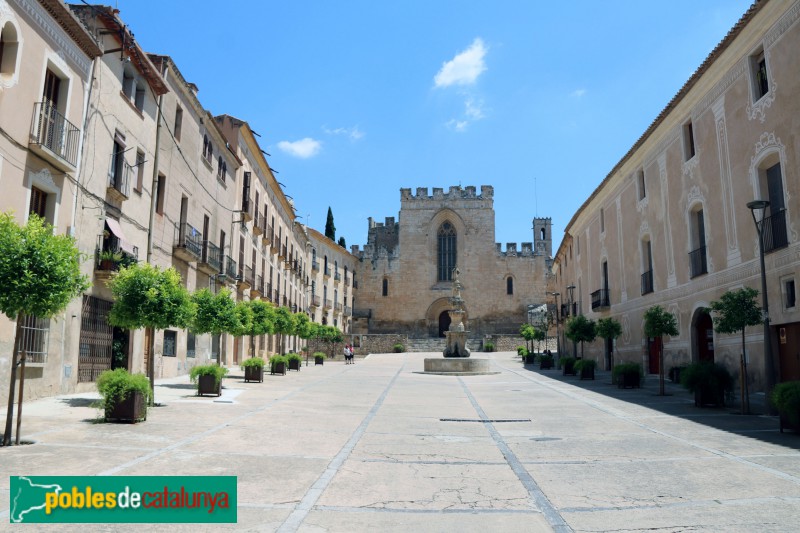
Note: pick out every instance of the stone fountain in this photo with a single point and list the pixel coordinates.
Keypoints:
(456, 361)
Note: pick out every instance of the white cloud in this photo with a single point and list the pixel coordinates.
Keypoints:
(353, 133)
(578, 93)
(474, 109)
(304, 148)
(458, 125)
(464, 68)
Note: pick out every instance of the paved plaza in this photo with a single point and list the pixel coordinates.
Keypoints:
(378, 446)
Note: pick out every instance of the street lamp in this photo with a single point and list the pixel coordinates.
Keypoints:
(558, 322)
(761, 207)
(571, 291)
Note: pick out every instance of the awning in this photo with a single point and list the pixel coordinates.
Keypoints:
(116, 229)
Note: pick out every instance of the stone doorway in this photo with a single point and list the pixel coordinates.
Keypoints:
(703, 337)
(653, 349)
(444, 323)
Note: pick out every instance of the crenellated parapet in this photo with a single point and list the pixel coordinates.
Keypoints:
(526, 249)
(456, 196)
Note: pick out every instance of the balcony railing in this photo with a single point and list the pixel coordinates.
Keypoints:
(211, 256)
(247, 209)
(112, 254)
(314, 265)
(315, 300)
(775, 235)
(258, 224)
(338, 307)
(697, 262)
(51, 130)
(259, 285)
(189, 245)
(337, 277)
(647, 282)
(268, 291)
(600, 299)
(348, 311)
(119, 180)
(327, 272)
(328, 304)
(230, 267)
(283, 251)
(245, 275)
(276, 296)
(347, 280)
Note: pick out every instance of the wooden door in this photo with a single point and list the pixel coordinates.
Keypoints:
(789, 351)
(654, 350)
(705, 338)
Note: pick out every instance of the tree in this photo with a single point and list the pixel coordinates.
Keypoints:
(40, 274)
(609, 329)
(581, 329)
(342, 243)
(539, 335)
(146, 296)
(658, 322)
(262, 323)
(215, 313)
(733, 312)
(284, 325)
(331, 336)
(527, 332)
(303, 328)
(330, 229)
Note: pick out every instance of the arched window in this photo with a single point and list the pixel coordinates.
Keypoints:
(9, 53)
(509, 285)
(385, 287)
(446, 251)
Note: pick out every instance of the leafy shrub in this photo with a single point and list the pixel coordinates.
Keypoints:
(626, 369)
(399, 348)
(294, 357)
(116, 386)
(275, 359)
(488, 347)
(546, 361)
(588, 364)
(320, 355)
(708, 376)
(253, 362)
(786, 399)
(522, 351)
(218, 372)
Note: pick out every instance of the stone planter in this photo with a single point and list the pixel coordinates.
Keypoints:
(587, 373)
(569, 368)
(709, 396)
(786, 423)
(530, 359)
(131, 409)
(319, 361)
(254, 373)
(208, 385)
(545, 364)
(629, 381)
(294, 364)
(278, 368)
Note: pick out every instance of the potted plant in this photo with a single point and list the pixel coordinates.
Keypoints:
(294, 361)
(253, 369)
(277, 365)
(627, 375)
(488, 347)
(109, 259)
(708, 381)
(786, 399)
(399, 348)
(319, 358)
(522, 351)
(585, 367)
(568, 365)
(124, 396)
(545, 362)
(675, 373)
(208, 379)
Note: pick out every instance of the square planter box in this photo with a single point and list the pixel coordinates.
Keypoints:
(278, 368)
(131, 409)
(709, 397)
(587, 373)
(545, 364)
(629, 381)
(208, 385)
(569, 369)
(530, 359)
(294, 365)
(254, 373)
(786, 423)
(319, 361)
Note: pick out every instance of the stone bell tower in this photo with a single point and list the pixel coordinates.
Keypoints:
(542, 236)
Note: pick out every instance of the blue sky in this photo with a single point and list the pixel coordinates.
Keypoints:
(357, 99)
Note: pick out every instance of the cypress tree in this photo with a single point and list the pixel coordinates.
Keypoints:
(330, 229)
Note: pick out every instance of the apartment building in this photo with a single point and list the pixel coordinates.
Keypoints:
(332, 282)
(46, 68)
(670, 224)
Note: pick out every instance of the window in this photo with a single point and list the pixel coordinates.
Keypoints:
(446, 251)
(116, 177)
(139, 171)
(385, 289)
(788, 290)
(176, 130)
(222, 169)
(509, 285)
(170, 338)
(161, 188)
(647, 260)
(759, 75)
(771, 188)
(697, 257)
(133, 87)
(688, 141)
(641, 184)
(190, 344)
(208, 150)
(246, 193)
(602, 221)
(9, 53)
(38, 203)
(34, 338)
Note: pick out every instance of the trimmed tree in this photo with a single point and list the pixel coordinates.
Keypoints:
(581, 329)
(146, 296)
(657, 323)
(262, 323)
(609, 329)
(733, 312)
(527, 332)
(39, 274)
(284, 325)
(215, 313)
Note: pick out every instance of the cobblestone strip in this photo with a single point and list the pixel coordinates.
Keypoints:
(550, 513)
(296, 518)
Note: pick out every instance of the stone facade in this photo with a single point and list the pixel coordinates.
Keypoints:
(670, 225)
(405, 285)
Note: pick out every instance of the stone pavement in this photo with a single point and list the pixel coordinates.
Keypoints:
(379, 446)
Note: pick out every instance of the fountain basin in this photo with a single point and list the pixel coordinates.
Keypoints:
(457, 366)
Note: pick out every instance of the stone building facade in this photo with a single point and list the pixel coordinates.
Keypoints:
(670, 224)
(406, 267)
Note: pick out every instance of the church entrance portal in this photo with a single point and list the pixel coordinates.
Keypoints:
(444, 323)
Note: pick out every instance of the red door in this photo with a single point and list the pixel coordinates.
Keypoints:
(654, 349)
(789, 351)
(705, 338)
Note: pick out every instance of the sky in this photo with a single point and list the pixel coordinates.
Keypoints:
(355, 100)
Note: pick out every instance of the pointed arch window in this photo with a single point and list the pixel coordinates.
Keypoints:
(446, 251)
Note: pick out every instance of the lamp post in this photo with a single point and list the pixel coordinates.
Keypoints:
(571, 291)
(769, 371)
(558, 322)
